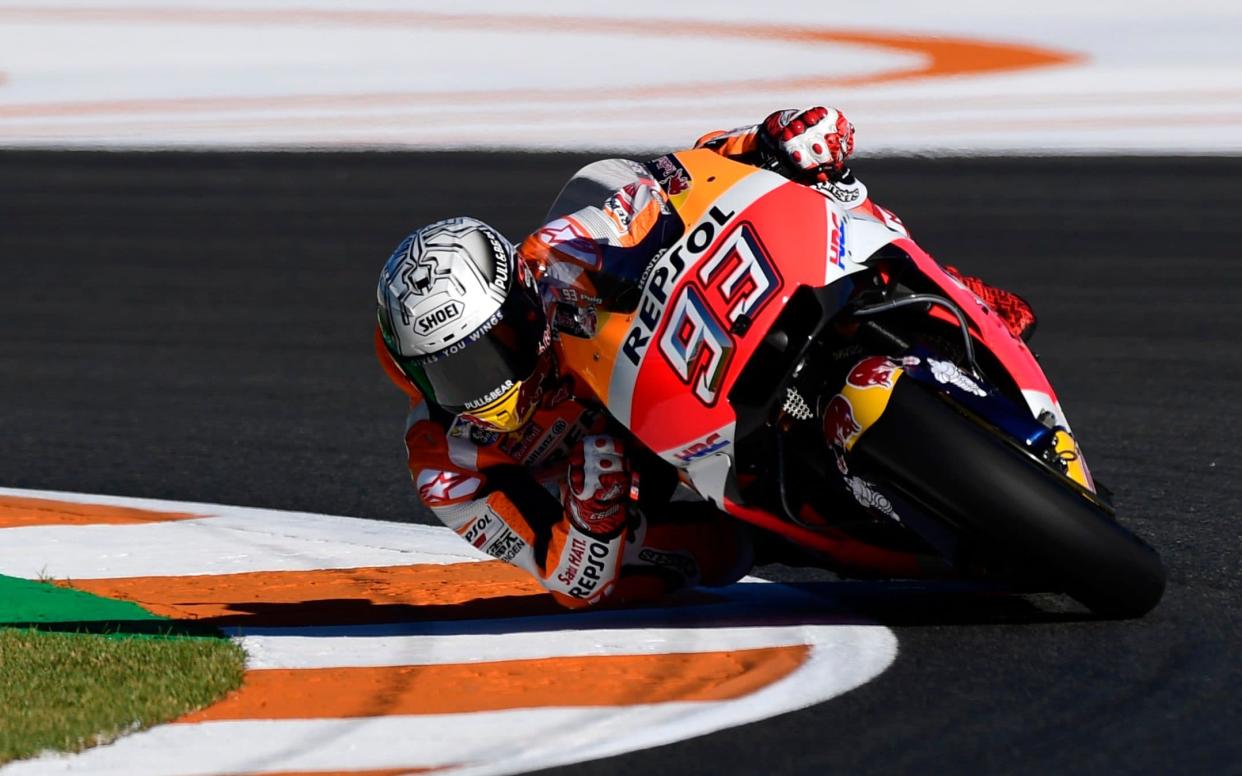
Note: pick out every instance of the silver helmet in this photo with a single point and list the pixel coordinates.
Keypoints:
(461, 317)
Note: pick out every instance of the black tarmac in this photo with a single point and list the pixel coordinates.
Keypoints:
(198, 327)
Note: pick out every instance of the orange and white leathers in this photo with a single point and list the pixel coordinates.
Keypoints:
(503, 493)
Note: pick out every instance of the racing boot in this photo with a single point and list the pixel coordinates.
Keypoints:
(1014, 311)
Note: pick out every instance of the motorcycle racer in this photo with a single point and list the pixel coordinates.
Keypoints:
(500, 446)
(500, 449)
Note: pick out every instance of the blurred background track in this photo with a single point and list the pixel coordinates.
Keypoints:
(197, 327)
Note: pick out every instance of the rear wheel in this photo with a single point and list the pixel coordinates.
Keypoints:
(968, 475)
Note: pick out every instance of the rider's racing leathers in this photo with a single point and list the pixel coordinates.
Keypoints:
(505, 493)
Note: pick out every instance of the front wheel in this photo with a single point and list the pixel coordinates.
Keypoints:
(963, 472)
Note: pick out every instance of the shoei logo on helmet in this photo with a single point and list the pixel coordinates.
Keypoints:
(443, 314)
(464, 342)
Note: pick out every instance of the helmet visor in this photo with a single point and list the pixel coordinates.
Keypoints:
(489, 366)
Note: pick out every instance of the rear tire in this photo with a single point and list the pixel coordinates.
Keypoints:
(963, 472)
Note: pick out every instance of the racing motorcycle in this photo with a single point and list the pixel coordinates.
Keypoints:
(814, 372)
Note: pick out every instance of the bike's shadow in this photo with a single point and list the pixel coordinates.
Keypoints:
(914, 604)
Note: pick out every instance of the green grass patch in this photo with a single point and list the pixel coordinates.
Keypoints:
(77, 670)
(25, 601)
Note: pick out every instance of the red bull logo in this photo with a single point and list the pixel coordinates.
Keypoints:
(872, 372)
(678, 183)
(839, 423)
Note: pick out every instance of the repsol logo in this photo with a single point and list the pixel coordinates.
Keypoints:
(592, 571)
(477, 534)
(664, 276)
(433, 320)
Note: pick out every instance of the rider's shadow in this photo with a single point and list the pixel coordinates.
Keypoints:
(744, 604)
(247, 616)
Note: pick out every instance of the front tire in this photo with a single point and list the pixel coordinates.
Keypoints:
(964, 472)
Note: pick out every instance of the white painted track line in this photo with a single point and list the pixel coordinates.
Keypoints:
(342, 646)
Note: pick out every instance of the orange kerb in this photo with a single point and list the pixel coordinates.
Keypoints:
(610, 680)
(357, 596)
(18, 512)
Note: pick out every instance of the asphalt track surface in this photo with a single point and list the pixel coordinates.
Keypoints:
(197, 327)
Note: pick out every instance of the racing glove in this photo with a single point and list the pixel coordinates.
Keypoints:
(814, 142)
(598, 490)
